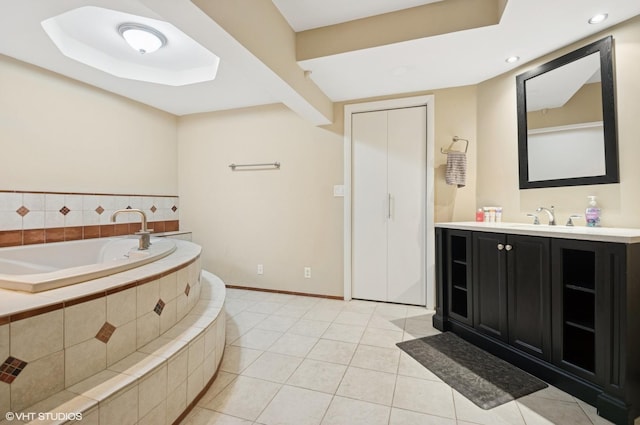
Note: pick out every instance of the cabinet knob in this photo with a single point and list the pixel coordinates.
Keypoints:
(500, 247)
(508, 247)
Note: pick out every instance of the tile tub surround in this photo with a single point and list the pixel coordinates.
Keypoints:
(39, 217)
(160, 382)
(52, 340)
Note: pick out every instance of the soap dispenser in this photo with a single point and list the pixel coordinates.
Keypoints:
(592, 213)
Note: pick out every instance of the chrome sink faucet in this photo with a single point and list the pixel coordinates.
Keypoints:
(144, 233)
(550, 213)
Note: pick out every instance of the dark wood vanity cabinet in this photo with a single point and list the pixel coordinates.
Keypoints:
(512, 284)
(565, 310)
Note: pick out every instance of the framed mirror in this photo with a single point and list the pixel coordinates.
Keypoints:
(567, 120)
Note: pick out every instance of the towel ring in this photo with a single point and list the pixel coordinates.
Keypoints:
(455, 139)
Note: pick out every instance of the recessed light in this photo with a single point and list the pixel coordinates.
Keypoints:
(512, 59)
(596, 19)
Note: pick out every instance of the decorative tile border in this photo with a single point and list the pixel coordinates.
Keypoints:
(43, 217)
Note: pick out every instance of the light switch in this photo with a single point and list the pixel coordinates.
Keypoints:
(338, 190)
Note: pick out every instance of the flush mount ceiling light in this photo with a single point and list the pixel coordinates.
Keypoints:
(93, 36)
(512, 59)
(599, 18)
(142, 38)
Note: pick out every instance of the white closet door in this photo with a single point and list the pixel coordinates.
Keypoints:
(407, 135)
(370, 209)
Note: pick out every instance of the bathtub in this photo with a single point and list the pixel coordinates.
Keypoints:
(36, 268)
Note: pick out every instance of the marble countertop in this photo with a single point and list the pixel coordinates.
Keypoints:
(602, 234)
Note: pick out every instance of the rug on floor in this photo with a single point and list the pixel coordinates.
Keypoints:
(481, 377)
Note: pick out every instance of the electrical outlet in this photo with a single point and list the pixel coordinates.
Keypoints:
(307, 272)
(260, 269)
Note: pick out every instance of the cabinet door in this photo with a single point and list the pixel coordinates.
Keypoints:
(490, 284)
(529, 292)
(458, 272)
(586, 299)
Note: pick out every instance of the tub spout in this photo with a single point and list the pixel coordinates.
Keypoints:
(144, 233)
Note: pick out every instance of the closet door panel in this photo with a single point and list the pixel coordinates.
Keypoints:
(406, 178)
(369, 207)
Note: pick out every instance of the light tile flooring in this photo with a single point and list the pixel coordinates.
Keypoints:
(293, 360)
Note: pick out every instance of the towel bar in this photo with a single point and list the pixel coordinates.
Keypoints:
(270, 164)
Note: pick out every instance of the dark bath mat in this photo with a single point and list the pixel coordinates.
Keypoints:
(481, 377)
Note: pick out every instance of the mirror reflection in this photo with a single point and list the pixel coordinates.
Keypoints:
(562, 116)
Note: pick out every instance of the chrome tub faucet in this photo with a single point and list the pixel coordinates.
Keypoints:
(144, 233)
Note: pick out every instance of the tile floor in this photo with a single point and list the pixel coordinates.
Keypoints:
(293, 360)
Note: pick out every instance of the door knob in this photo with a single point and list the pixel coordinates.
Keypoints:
(500, 247)
(508, 247)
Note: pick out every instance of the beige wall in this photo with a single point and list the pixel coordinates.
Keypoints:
(285, 219)
(67, 136)
(288, 219)
(63, 136)
(455, 115)
(497, 173)
(584, 106)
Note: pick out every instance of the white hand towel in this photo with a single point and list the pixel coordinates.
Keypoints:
(456, 172)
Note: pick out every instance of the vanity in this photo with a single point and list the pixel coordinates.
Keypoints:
(562, 303)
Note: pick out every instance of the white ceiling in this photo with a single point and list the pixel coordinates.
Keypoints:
(307, 14)
(528, 29)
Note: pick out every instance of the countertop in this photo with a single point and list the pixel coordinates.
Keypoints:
(602, 234)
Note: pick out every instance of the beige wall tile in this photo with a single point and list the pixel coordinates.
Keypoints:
(210, 337)
(39, 380)
(148, 328)
(121, 307)
(83, 321)
(181, 306)
(168, 287)
(122, 409)
(157, 415)
(176, 402)
(177, 369)
(147, 297)
(4, 342)
(182, 280)
(37, 336)
(196, 354)
(83, 360)
(221, 333)
(152, 390)
(195, 383)
(209, 367)
(122, 343)
(91, 417)
(168, 318)
(5, 397)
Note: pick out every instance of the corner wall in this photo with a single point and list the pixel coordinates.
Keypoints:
(288, 219)
(284, 219)
(497, 180)
(59, 135)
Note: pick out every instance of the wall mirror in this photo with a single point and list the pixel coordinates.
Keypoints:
(567, 120)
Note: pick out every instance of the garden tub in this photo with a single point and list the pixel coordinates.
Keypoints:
(36, 268)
